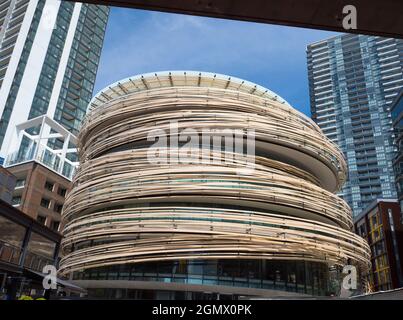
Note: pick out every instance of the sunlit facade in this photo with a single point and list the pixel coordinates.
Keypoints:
(49, 55)
(353, 80)
(265, 223)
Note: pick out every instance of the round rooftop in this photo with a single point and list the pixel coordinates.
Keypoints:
(162, 79)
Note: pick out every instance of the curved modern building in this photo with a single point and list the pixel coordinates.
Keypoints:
(165, 206)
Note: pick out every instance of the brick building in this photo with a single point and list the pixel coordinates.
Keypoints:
(381, 224)
(39, 192)
(7, 184)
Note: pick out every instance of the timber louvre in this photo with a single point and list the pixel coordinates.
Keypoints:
(138, 211)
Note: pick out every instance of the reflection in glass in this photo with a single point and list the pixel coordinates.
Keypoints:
(295, 276)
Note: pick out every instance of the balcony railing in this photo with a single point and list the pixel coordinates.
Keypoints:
(12, 254)
(36, 261)
(45, 156)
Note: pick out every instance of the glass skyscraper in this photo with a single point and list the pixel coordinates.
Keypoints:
(49, 55)
(353, 79)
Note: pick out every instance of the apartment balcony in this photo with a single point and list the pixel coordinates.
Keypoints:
(27, 147)
(44, 156)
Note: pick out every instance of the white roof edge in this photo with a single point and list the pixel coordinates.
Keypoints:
(190, 72)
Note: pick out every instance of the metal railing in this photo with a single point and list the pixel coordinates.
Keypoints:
(45, 156)
(12, 254)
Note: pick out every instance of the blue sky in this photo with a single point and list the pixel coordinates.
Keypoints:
(138, 41)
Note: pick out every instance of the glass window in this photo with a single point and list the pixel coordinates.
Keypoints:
(55, 225)
(20, 183)
(11, 232)
(296, 276)
(62, 191)
(291, 276)
(195, 267)
(49, 186)
(41, 219)
(279, 275)
(210, 268)
(45, 203)
(16, 200)
(41, 246)
(58, 207)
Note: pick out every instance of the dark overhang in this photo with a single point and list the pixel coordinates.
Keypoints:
(15, 215)
(374, 17)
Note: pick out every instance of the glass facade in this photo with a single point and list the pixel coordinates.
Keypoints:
(353, 80)
(295, 276)
(52, 60)
(11, 240)
(39, 250)
(62, 85)
(12, 13)
(22, 64)
(11, 232)
(25, 248)
(81, 70)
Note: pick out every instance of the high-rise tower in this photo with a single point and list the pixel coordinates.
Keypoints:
(49, 54)
(353, 80)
